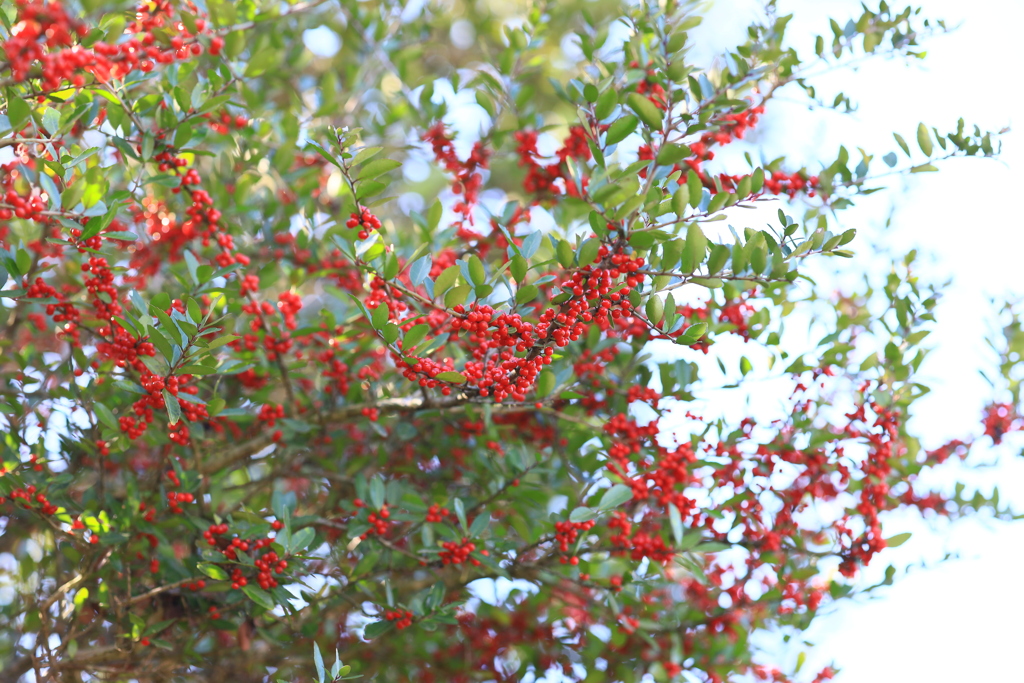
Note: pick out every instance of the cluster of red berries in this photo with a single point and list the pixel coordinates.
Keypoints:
(29, 498)
(468, 179)
(650, 88)
(173, 478)
(502, 374)
(149, 513)
(214, 530)
(365, 221)
(270, 413)
(436, 513)
(289, 303)
(94, 242)
(457, 553)
(167, 236)
(402, 618)
(566, 534)
(237, 579)
(64, 312)
(168, 161)
(224, 123)
(731, 127)
(999, 419)
(135, 426)
(266, 564)
(29, 207)
(547, 181)
(174, 500)
(45, 34)
(378, 521)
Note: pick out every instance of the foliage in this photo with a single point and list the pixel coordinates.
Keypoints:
(268, 381)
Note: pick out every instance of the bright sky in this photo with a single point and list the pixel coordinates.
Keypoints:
(959, 621)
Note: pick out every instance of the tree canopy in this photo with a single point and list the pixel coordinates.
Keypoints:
(388, 327)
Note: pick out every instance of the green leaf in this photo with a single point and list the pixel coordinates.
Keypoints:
(419, 270)
(318, 662)
(364, 155)
(414, 336)
(377, 493)
(51, 121)
(73, 194)
(123, 236)
(695, 249)
(615, 496)
(692, 334)
(924, 141)
(519, 267)
(449, 376)
(446, 279)
(476, 270)
(50, 188)
(259, 596)
(897, 540)
(583, 514)
(479, 525)
(434, 215)
(457, 295)
(646, 110)
(301, 539)
(711, 547)
(460, 512)
(655, 309)
(526, 294)
(173, 409)
(672, 154)
(689, 542)
(212, 571)
(695, 188)
(676, 520)
(620, 129)
(379, 315)
(377, 628)
(680, 199)
(563, 251)
(323, 152)
(221, 341)
(18, 109)
(105, 416)
(546, 382)
(390, 333)
(757, 180)
(376, 168)
(531, 243)
(588, 251)
(902, 143)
